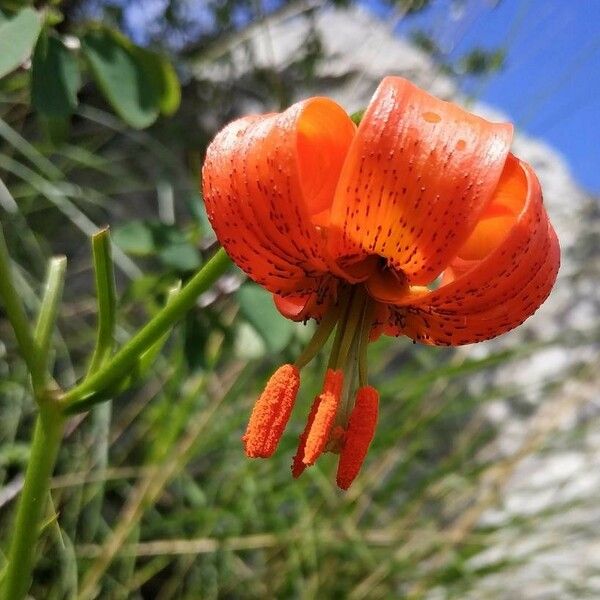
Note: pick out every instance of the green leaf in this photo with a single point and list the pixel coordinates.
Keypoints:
(480, 61)
(167, 242)
(17, 39)
(56, 129)
(197, 208)
(248, 343)
(413, 6)
(122, 77)
(173, 248)
(258, 309)
(161, 73)
(147, 289)
(170, 90)
(54, 78)
(180, 256)
(135, 238)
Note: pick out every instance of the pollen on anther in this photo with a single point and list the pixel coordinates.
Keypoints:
(324, 418)
(272, 412)
(360, 432)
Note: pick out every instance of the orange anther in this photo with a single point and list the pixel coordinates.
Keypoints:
(271, 412)
(318, 435)
(360, 432)
(334, 382)
(324, 419)
(320, 422)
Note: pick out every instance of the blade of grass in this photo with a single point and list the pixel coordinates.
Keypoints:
(149, 489)
(36, 158)
(15, 311)
(55, 196)
(93, 497)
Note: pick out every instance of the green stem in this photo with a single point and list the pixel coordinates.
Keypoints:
(106, 295)
(44, 449)
(341, 327)
(81, 398)
(46, 321)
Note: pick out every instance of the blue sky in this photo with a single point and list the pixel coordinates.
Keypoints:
(550, 86)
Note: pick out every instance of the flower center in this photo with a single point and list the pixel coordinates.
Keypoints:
(381, 280)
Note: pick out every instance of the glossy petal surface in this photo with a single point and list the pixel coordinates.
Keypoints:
(268, 181)
(418, 174)
(501, 275)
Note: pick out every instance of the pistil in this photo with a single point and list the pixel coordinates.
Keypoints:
(353, 334)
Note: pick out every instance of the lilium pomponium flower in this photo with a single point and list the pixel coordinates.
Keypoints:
(418, 222)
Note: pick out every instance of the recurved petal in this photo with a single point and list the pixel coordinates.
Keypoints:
(267, 182)
(418, 174)
(307, 306)
(500, 276)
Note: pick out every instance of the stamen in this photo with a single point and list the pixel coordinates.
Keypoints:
(347, 330)
(319, 338)
(334, 382)
(297, 465)
(271, 412)
(360, 432)
(324, 419)
(341, 328)
(363, 342)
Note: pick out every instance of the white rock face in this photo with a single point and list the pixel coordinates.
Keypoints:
(557, 556)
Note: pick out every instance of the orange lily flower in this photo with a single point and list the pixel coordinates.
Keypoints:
(418, 222)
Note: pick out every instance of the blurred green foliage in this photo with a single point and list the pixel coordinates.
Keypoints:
(139, 84)
(153, 497)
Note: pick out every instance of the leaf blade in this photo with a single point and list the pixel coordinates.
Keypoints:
(121, 77)
(55, 78)
(17, 39)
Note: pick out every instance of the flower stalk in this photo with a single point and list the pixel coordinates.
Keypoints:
(46, 441)
(90, 390)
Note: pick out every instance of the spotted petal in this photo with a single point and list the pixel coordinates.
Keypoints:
(418, 174)
(266, 182)
(500, 276)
